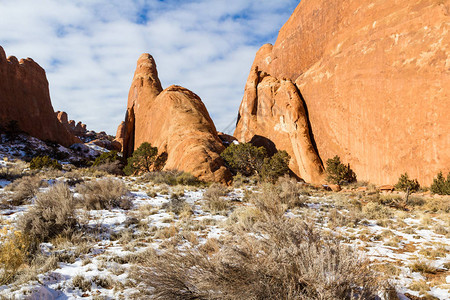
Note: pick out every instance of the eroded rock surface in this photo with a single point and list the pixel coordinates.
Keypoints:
(25, 99)
(375, 78)
(174, 120)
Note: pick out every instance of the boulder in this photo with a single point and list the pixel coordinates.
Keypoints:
(174, 120)
(25, 99)
(375, 79)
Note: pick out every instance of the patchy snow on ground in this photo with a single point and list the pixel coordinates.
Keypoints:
(119, 235)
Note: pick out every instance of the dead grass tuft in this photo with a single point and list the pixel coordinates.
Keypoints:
(105, 194)
(284, 259)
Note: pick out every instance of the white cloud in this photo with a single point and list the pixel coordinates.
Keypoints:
(89, 49)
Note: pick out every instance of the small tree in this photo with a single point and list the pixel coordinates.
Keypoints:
(244, 158)
(338, 173)
(440, 185)
(406, 184)
(275, 166)
(43, 162)
(106, 157)
(142, 160)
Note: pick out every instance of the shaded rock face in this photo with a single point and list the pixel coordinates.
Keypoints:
(176, 121)
(25, 98)
(375, 78)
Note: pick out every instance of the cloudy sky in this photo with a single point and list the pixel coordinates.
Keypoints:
(89, 49)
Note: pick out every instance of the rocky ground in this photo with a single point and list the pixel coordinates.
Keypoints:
(407, 243)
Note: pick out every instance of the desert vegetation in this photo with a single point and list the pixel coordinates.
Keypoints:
(87, 232)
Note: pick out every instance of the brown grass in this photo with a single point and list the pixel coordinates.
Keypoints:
(24, 189)
(285, 259)
(105, 194)
(52, 214)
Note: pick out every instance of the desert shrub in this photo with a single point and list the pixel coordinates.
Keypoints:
(106, 157)
(142, 160)
(215, 200)
(291, 192)
(244, 158)
(24, 189)
(52, 214)
(82, 283)
(104, 194)
(14, 247)
(275, 166)
(109, 162)
(114, 167)
(440, 185)
(172, 177)
(284, 259)
(12, 171)
(406, 184)
(268, 201)
(376, 211)
(44, 162)
(176, 204)
(338, 173)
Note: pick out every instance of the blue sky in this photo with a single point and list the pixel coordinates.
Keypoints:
(89, 49)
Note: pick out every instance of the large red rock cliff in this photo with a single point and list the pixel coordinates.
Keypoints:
(176, 121)
(375, 79)
(25, 98)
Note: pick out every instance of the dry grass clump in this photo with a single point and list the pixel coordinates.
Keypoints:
(284, 259)
(105, 194)
(24, 189)
(423, 266)
(177, 204)
(82, 283)
(268, 201)
(244, 218)
(376, 211)
(13, 171)
(438, 204)
(291, 192)
(52, 214)
(172, 177)
(215, 200)
(14, 249)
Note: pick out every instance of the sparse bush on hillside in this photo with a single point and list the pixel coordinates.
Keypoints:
(109, 162)
(52, 214)
(248, 160)
(338, 173)
(24, 189)
(275, 166)
(440, 185)
(44, 162)
(284, 259)
(244, 158)
(104, 194)
(142, 160)
(172, 177)
(406, 184)
(14, 247)
(215, 200)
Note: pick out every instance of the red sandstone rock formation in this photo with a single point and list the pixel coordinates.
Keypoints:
(120, 135)
(25, 98)
(375, 78)
(174, 120)
(78, 129)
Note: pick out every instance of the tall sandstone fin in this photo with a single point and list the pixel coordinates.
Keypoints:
(375, 78)
(176, 121)
(25, 98)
